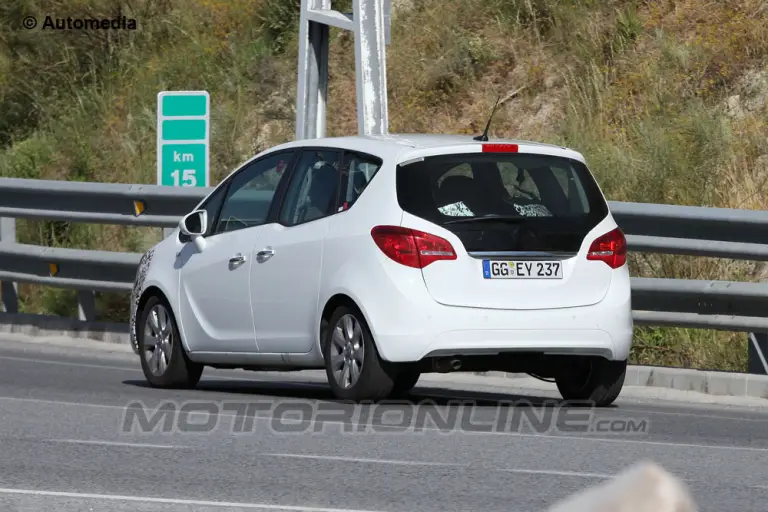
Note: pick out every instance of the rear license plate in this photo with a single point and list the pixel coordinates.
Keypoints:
(494, 269)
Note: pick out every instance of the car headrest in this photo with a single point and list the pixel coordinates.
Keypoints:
(323, 182)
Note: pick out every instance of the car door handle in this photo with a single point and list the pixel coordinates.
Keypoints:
(236, 260)
(265, 254)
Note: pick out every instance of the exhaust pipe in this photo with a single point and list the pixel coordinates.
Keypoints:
(446, 365)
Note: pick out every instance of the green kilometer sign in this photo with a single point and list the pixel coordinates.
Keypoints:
(183, 131)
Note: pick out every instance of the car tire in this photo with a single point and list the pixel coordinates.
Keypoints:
(347, 332)
(598, 381)
(174, 372)
(405, 381)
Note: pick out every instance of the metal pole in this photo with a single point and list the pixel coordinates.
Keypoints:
(371, 67)
(758, 353)
(86, 305)
(312, 88)
(369, 22)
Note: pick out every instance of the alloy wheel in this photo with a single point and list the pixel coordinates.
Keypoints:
(158, 339)
(347, 351)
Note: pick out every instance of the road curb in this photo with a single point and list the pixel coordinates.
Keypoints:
(681, 379)
(56, 326)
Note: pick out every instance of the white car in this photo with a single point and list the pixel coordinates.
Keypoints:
(382, 258)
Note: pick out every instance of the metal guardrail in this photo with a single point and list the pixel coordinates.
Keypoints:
(650, 228)
(98, 203)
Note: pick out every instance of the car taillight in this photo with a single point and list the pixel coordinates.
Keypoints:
(610, 248)
(411, 247)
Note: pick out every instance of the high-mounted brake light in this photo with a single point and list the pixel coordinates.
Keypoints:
(500, 148)
(611, 248)
(411, 247)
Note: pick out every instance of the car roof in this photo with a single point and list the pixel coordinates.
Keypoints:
(387, 144)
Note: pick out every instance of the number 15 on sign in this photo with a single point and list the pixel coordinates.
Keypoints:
(185, 178)
(183, 127)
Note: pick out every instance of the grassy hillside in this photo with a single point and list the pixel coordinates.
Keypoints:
(667, 99)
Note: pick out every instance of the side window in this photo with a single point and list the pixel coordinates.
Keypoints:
(311, 194)
(356, 172)
(250, 193)
(210, 205)
(572, 188)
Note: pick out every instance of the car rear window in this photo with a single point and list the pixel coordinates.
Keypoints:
(540, 191)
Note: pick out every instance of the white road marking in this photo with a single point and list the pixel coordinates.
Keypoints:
(555, 473)
(68, 363)
(174, 501)
(447, 464)
(116, 443)
(136, 369)
(395, 429)
(697, 415)
(356, 459)
(60, 402)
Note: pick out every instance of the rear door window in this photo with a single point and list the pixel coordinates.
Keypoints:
(313, 189)
(357, 171)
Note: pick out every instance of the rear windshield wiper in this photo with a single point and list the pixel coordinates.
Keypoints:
(488, 218)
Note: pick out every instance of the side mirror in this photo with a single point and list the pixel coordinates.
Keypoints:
(195, 225)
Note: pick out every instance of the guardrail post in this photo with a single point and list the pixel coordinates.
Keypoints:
(86, 306)
(758, 353)
(8, 290)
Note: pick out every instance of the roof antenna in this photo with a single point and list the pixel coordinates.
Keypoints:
(484, 136)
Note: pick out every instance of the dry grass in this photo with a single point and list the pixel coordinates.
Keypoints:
(668, 99)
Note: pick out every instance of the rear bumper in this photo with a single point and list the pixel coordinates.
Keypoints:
(413, 326)
(549, 341)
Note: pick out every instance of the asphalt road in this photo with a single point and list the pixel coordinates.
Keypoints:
(65, 445)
